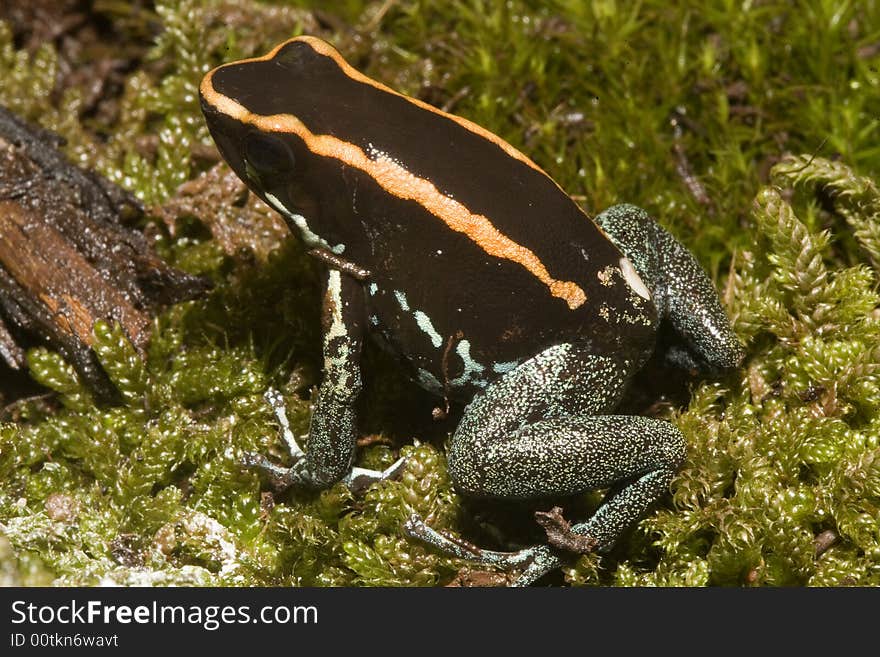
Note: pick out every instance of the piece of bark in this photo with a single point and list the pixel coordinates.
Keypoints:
(10, 351)
(560, 535)
(67, 260)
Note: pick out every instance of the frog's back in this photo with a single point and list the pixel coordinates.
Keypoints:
(468, 241)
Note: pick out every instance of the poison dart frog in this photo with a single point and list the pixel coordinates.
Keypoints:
(491, 285)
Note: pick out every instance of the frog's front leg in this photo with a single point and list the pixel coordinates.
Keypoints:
(541, 431)
(333, 434)
(681, 291)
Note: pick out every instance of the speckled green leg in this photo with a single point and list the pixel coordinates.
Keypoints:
(571, 455)
(333, 429)
(643, 457)
(539, 431)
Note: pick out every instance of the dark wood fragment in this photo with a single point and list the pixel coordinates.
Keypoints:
(560, 535)
(335, 262)
(10, 352)
(66, 258)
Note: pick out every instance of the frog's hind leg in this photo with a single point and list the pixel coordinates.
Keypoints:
(540, 431)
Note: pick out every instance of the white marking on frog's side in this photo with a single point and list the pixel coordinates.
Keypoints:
(421, 318)
(374, 320)
(373, 288)
(309, 237)
(425, 324)
(471, 367)
(504, 368)
(401, 299)
(633, 279)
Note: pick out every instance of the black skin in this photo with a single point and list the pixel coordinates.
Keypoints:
(541, 374)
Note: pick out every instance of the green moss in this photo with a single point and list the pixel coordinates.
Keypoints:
(151, 491)
(775, 455)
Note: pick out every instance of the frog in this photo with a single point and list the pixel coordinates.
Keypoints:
(492, 287)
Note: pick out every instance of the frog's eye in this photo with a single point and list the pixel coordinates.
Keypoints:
(267, 154)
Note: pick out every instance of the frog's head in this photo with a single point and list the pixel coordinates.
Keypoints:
(263, 113)
(265, 161)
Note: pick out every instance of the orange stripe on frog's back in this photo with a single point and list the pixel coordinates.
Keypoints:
(395, 178)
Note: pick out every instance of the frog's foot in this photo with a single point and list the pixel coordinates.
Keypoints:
(531, 562)
(281, 478)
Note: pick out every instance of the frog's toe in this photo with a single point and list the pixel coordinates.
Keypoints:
(417, 528)
(359, 479)
(532, 562)
(276, 402)
(541, 559)
(280, 478)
